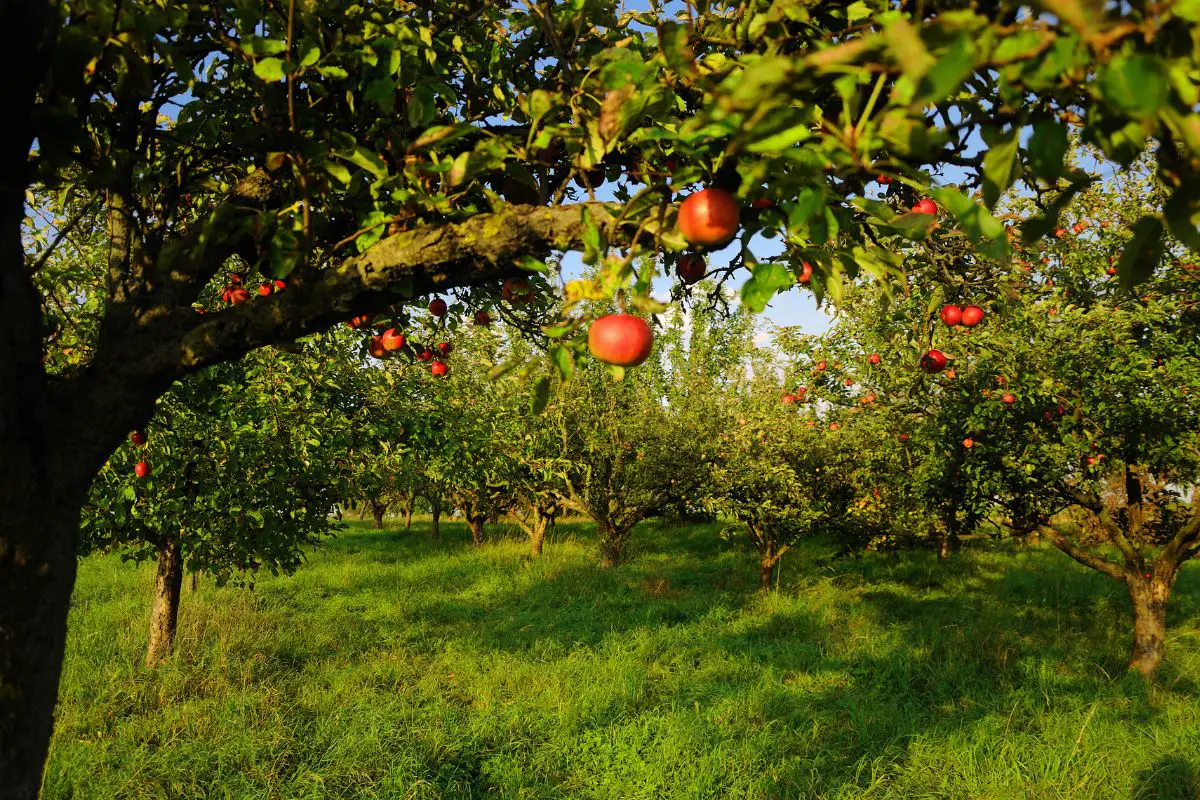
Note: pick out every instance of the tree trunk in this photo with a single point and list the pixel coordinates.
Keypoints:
(476, 524)
(943, 550)
(1149, 597)
(165, 612)
(613, 540)
(378, 509)
(537, 534)
(435, 506)
(408, 511)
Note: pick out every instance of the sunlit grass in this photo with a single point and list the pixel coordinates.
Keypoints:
(391, 666)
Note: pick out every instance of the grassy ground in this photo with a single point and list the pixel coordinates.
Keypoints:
(394, 667)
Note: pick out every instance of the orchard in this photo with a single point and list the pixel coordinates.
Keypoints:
(847, 283)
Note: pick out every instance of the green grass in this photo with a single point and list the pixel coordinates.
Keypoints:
(395, 667)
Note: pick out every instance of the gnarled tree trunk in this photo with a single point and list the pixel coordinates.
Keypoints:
(164, 614)
(1149, 597)
(435, 506)
(378, 509)
(614, 539)
(475, 522)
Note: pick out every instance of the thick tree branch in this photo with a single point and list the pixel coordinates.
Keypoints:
(1064, 543)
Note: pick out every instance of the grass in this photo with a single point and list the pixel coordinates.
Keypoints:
(391, 666)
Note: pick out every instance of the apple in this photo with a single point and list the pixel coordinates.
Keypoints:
(1007, 399)
(137, 437)
(849, 381)
(141, 469)
(951, 314)
(873, 358)
(762, 202)
(934, 361)
(925, 206)
(1060, 233)
(425, 355)
(904, 437)
(883, 179)
(439, 369)
(787, 399)
(821, 365)
(359, 322)
(375, 348)
(870, 398)
(709, 218)
(483, 318)
(445, 348)
(805, 272)
(968, 442)
(392, 340)
(280, 285)
(264, 289)
(1111, 270)
(235, 278)
(437, 306)
(972, 316)
(621, 339)
(517, 290)
(802, 390)
(239, 296)
(691, 268)
(833, 426)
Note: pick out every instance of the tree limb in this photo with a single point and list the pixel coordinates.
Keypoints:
(1076, 552)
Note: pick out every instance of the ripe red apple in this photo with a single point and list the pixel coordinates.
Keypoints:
(968, 442)
(690, 268)
(972, 316)
(873, 358)
(709, 218)
(1007, 399)
(517, 290)
(621, 339)
(805, 272)
(392, 340)
(445, 348)
(802, 390)
(239, 296)
(925, 206)
(376, 349)
(483, 318)
(235, 277)
(934, 361)
(141, 469)
(849, 381)
(264, 289)
(904, 437)
(821, 365)
(359, 322)
(787, 399)
(951, 314)
(439, 369)
(1111, 270)
(833, 426)
(1060, 233)
(137, 437)
(425, 355)
(762, 202)
(437, 306)
(280, 285)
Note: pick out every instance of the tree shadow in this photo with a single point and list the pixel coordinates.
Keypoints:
(1169, 778)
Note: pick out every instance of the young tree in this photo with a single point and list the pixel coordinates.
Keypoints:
(240, 467)
(353, 150)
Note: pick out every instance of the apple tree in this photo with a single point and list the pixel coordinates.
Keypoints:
(368, 155)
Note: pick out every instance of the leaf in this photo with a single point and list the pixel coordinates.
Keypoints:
(611, 118)
(1000, 163)
(673, 42)
(1179, 212)
(269, 70)
(541, 395)
(1047, 148)
(532, 263)
(362, 157)
(907, 48)
(980, 225)
(591, 238)
(781, 140)
(858, 10)
(1143, 252)
(1136, 84)
(768, 278)
(946, 76)
(334, 72)
(564, 361)
(337, 171)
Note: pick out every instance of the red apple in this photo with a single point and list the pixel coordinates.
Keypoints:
(968, 442)
(264, 289)
(280, 285)
(483, 318)
(238, 296)
(439, 369)
(833, 426)
(805, 272)
(873, 358)
(375, 348)
(849, 381)
(1111, 270)
(437, 306)
(762, 202)
(235, 277)
(690, 268)
(821, 365)
(972, 316)
(425, 355)
(883, 179)
(951, 314)
(141, 469)
(904, 437)
(1007, 398)
(359, 322)
(925, 206)
(709, 218)
(934, 361)
(517, 290)
(621, 339)
(787, 399)
(1060, 233)
(137, 437)
(445, 348)
(392, 340)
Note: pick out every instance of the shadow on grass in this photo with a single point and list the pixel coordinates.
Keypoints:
(1170, 778)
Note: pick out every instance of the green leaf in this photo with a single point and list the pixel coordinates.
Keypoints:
(768, 278)
(1000, 164)
(907, 48)
(337, 171)
(1181, 218)
(1047, 149)
(946, 76)
(362, 157)
(541, 395)
(1035, 228)
(1137, 84)
(781, 140)
(858, 10)
(591, 238)
(269, 70)
(564, 361)
(532, 263)
(1143, 252)
(981, 226)
(334, 72)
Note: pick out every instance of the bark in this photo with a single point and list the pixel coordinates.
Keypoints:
(435, 505)
(165, 613)
(613, 541)
(766, 572)
(408, 512)
(476, 524)
(378, 509)
(1149, 597)
(537, 537)
(943, 550)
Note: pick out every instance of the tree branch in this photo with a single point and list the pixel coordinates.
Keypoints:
(1076, 552)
